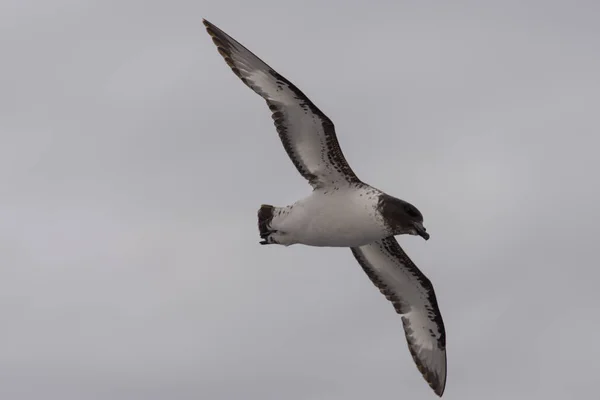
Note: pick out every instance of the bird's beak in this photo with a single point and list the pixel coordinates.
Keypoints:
(421, 231)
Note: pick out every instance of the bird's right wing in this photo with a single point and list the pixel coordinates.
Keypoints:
(412, 295)
(307, 134)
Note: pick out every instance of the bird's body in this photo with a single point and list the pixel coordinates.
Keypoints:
(346, 216)
(342, 210)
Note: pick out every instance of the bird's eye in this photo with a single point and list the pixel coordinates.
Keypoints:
(412, 211)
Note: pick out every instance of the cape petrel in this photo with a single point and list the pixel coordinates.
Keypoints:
(342, 210)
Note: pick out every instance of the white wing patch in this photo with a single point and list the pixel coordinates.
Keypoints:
(307, 134)
(412, 295)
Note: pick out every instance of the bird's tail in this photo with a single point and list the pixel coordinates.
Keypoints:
(265, 216)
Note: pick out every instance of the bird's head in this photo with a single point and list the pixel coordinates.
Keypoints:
(402, 217)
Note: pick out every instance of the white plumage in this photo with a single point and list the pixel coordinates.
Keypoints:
(346, 217)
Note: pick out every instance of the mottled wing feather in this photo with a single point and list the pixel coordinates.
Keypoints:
(412, 295)
(307, 134)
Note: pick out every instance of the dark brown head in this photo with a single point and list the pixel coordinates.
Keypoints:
(402, 217)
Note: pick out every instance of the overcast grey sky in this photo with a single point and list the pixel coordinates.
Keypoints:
(132, 163)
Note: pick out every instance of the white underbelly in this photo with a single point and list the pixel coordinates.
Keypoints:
(338, 220)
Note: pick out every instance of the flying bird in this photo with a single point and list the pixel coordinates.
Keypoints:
(342, 210)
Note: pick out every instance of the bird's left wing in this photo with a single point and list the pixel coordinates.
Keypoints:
(412, 295)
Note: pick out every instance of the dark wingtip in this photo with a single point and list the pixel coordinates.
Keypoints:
(439, 386)
(438, 390)
(210, 27)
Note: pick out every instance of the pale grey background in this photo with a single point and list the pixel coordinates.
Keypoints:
(132, 163)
